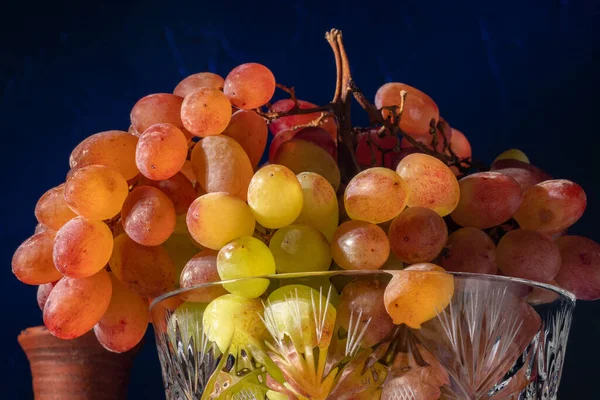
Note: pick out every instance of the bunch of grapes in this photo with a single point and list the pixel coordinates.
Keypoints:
(180, 200)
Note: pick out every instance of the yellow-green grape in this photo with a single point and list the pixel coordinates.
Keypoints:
(300, 248)
(275, 196)
(188, 317)
(232, 320)
(320, 205)
(303, 156)
(242, 258)
(513, 154)
(215, 219)
(302, 314)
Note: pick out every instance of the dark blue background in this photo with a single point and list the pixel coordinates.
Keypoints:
(508, 74)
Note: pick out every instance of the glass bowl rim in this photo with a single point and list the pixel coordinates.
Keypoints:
(565, 294)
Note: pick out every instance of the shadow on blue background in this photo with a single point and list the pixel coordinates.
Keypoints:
(507, 74)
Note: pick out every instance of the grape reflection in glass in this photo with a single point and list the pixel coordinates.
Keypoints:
(327, 335)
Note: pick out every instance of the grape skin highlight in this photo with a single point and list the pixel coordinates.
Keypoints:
(205, 112)
(249, 86)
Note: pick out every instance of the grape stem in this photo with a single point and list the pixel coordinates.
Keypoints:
(340, 107)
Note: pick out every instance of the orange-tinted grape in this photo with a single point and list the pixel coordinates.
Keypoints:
(124, 323)
(376, 195)
(188, 171)
(431, 183)
(39, 228)
(250, 131)
(316, 135)
(551, 206)
(52, 209)
(96, 192)
(206, 112)
(470, 250)
(82, 247)
(159, 108)
(201, 269)
(301, 156)
(178, 189)
(249, 86)
(361, 303)
(528, 255)
(161, 151)
(148, 216)
(417, 235)
(580, 267)
(222, 165)
(283, 124)
(215, 219)
(195, 81)
(148, 271)
(43, 293)
(487, 199)
(460, 146)
(32, 262)
(113, 149)
(359, 245)
(417, 294)
(75, 305)
(419, 109)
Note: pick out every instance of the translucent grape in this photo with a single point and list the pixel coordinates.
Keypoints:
(215, 219)
(419, 109)
(528, 255)
(487, 199)
(242, 258)
(316, 135)
(418, 294)
(148, 216)
(250, 131)
(178, 189)
(470, 250)
(124, 323)
(195, 81)
(113, 149)
(301, 156)
(148, 271)
(96, 192)
(300, 248)
(199, 270)
(75, 305)
(430, 182)
(551, 206)
(205, 112)
(361, 304)
(579, 272)
(417, 235)
(525, 174)
(275, 196)
(82, 247)
(319, 204)
(159, 108)
(360, 245)
(295, 310)
(221, 165)
(513, 154)
(283, 124)
(161, 151)
(249, 86)
(373, 150)
(43, 293)
(231, 320)
(32, 262)
(376, 195)
(52, 209)
(188, 171)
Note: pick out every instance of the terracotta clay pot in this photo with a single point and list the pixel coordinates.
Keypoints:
(75, 369)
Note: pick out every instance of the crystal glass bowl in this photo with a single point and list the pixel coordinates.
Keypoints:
(324, 336)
